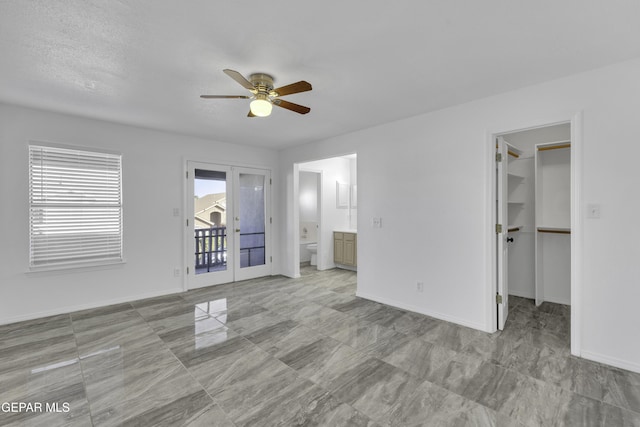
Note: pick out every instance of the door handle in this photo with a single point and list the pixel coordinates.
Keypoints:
(509, 239)
(238, 230)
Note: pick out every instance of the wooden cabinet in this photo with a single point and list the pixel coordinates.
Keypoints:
(338, 248)
(345, 248)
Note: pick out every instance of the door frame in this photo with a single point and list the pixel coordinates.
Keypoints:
(186, 237)
(502, 217)
(576, 124)
(320, 177)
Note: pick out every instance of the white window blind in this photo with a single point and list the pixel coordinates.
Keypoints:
(75, 207)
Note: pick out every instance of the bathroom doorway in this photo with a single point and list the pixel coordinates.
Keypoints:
(332, 184)
(310, 200)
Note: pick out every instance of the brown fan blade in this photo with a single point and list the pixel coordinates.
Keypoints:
(298, 87)
(239, 78)
(291, 106)
(224, 96)
(251, 114)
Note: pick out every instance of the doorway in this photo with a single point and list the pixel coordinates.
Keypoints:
(536, 223)
(336, 208)
(310, 228)
(228, 223)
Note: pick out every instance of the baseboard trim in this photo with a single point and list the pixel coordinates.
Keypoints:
(409, 307)
(521, 295)
(74, 308)
(557, 301)
(612, 361)
(346, 267)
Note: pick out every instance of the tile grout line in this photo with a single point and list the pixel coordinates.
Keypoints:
(520, 302)
(362, 353)
(552, 384)
(213, 400)
(84, 380)
(298, 375)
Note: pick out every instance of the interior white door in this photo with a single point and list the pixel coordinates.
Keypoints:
(252, 223)
(502, 207)
(208, 249)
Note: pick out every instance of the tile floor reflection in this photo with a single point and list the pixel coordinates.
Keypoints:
(287, 352)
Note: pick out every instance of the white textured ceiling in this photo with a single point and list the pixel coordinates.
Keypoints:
(145, 62)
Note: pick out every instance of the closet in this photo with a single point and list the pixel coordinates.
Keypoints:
(537, 199)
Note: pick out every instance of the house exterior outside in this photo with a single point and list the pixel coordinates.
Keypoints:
(210, 210)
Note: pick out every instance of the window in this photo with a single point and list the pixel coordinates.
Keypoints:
(216, 218)
(75, 207)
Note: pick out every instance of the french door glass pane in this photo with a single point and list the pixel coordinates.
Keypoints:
(252, 220)
(210, 220)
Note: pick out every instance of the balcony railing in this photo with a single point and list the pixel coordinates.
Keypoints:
(211, 249)
(252, 249)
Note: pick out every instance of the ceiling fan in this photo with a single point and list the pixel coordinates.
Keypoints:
(264, 95)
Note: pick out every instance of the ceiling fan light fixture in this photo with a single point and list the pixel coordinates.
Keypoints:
(263, 95)
(261, 106)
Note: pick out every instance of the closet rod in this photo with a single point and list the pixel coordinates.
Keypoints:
(511, 153)
(554, 147)
(548, 230)
(513, 229)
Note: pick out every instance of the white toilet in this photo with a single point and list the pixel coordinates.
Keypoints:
(313, 248)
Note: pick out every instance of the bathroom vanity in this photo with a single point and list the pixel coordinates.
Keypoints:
(345, 248)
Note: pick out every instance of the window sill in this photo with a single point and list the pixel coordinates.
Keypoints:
(73, 268)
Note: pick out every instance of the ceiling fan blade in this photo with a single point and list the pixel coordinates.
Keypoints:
(239, 78)
(298, 87)
(291, 106)
(251, 114)
(224, 96)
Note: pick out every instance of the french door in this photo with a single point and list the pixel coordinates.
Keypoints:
(228, 224)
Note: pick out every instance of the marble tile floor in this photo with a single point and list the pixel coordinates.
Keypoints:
(303, 352)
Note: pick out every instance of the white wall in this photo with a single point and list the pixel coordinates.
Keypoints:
(332, 218)
(153, 180)
(521, 268)
(555, 274)
(429, 178)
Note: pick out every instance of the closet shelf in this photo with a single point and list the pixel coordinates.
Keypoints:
(556, 230)
(515, 176)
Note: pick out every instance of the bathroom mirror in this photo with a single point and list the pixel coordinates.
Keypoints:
(342, 195)
(354, 196)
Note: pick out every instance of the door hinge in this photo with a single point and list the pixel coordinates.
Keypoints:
(498, 299)
(187, 174)
(187, 270)
(270, 220)
(498, 228)
(187, 222)
(498, 157)
(270, 259)
(270, 181)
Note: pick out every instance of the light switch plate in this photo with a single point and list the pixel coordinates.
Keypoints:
(376, 222)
